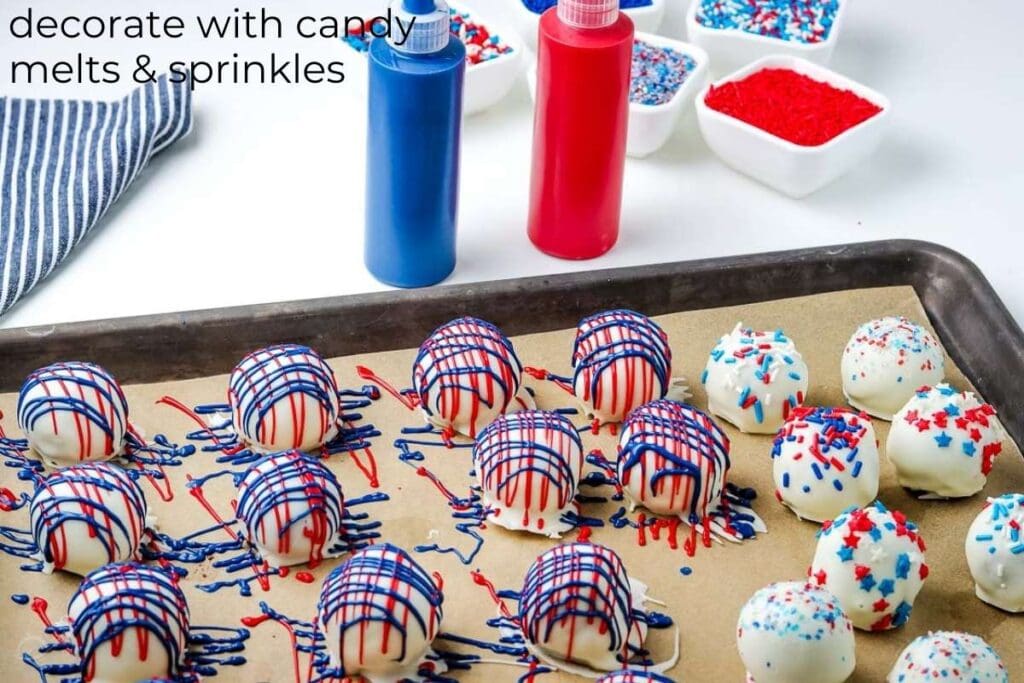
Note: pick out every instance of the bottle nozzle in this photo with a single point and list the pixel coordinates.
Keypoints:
(588, 13)
(424, 26)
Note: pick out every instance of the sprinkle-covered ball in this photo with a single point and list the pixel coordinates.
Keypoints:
(950, 657)
(466, 374)
(795, 631)
(755, 379)
(130, 623)
(528, 465)
(86, 516)
(673, 460)
(577, 606)
(621, 360)
(73, 412)
(943, 442)
(884, 363)
(995, 552)
(284, 397)
(824, 461)
(379, 613)
(290, 506)
(872, 560)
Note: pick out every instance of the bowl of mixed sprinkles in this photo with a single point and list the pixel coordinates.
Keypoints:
(666, 76)
(495, 57)
(737, 32)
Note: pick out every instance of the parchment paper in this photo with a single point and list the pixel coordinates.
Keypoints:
(704, 604)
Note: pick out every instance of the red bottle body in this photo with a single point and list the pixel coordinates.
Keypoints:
(579, 136)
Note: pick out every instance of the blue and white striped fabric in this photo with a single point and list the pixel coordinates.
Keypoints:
(63, 163)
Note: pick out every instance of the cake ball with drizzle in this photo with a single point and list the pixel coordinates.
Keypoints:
(466, 374)
(795, 631)
(754, 379)
(943, 442)
(620, 360)
(634, 676)
(379, 612)
(950, 657)
(291, 508)
(528, 465)
(86, 516)
(885, 361)
(578, 606)
(825, 460)
(130, 623)
(673, 460)
(995, 552)
(73, 412)
(873, 561)
(283, 397)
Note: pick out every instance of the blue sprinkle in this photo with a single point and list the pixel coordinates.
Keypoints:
(837, 484)
(20, 598)
(902, 566)
(943, 440)
(969, 448)
(685, 571)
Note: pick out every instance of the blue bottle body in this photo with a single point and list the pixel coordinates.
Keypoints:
(412, 167)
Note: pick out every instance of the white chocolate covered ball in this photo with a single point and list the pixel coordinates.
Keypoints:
(995, 552)
(884, 363)
(528, 465)
(284, 397)
(291, 507)
(795, 632)
(943, 442)
(130, 623)
(872, 560)
(577, 606)
(465, 375)
(673, 460)
(379, 612)
(825, 460)
(754, 379)
(948, 657)
(86, 516)
(73, 412)
(621, 360)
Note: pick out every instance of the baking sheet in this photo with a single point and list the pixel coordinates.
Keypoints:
(704, 604)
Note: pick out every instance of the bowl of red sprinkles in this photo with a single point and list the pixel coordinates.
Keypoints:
(791, 124)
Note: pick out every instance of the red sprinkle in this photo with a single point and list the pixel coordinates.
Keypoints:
(791, 106)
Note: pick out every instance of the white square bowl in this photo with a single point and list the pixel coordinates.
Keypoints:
(730, 49)
(794, 170)
(646, 19)
(487, 83)
(651, 125)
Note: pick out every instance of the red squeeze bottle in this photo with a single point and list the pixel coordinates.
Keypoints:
(584, 55)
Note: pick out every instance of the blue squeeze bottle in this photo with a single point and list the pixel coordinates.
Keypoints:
(412, 161)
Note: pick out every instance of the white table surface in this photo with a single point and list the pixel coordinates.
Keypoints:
(264, 201)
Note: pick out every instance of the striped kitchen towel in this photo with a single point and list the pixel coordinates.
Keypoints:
(63, 163)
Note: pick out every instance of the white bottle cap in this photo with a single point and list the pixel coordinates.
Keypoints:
(588, 13)
(430, 22)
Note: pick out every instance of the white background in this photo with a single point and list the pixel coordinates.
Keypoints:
(264, 201)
